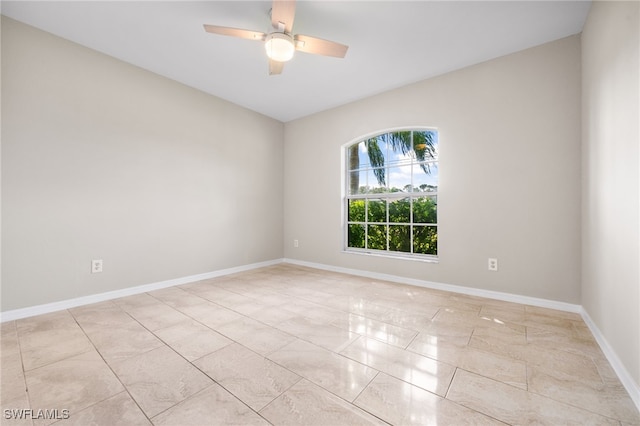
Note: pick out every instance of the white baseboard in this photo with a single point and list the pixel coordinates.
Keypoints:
(101, 297)
(489, 294)
(623, 374)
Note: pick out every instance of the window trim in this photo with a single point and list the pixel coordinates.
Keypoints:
(344, 181)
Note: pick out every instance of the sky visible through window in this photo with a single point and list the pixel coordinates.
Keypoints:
(399, 171)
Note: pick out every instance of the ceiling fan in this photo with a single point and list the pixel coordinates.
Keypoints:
(280, 43)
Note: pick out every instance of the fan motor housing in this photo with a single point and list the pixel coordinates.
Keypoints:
(279, 46)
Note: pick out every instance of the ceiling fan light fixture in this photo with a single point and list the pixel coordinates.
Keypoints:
(279, 47)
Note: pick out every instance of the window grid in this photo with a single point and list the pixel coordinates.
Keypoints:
(387, 223)
(389, 195)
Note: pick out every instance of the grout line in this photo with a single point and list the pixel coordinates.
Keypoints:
(24, 372)
(282, 291)
(415, 336)
(111, 369)
(366, 386)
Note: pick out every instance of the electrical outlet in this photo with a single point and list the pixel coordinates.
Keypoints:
(493, 264)
(295, 243)
(96, 266)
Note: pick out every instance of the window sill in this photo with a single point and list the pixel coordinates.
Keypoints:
(414, 258)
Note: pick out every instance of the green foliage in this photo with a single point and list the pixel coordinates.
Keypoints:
(356, 236)
(356, 211)
(377, 237)
(425, 210)
(424, 148)
(400, 238)
(400, 210)
(377, 210)
(425, 238)
(376, 159)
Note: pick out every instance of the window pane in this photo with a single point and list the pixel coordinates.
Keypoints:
(425, 145)
(356, 210)
(356, 236)
(376, 180)
(425, 177)
(399, 171)
(400, 238)
(377, 237)
(400, 210)
(425, 210)
(357, 156)
(400, 148)
(400, 179)
(425, 239)
(377, 210)
(357, 182)
(376, 149)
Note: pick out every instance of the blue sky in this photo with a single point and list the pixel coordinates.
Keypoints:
(399, 172)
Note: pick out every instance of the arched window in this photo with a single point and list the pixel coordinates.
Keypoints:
(392, 194)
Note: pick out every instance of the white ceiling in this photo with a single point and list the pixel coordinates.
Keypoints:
(391, 43)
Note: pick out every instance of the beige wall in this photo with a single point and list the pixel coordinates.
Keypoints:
(611, 182)
(509, 174)
(102, 160)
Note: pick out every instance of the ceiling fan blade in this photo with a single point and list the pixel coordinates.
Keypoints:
(283, 11)
(275, 67)
(319, 46)
(234, 32)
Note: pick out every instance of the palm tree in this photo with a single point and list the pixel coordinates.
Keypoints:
(422, 145)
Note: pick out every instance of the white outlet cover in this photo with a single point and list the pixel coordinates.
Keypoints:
(493, 264)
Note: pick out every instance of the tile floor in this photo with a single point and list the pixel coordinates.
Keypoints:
(288, 345)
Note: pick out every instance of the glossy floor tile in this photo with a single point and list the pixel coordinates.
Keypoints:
(117, 410)
(250, 377)
(309, 404)
(213, 405)
(289, 345)
(71, 384)
(421, 371)
(192, 340)
(334, 372)
(400, 403)
(50, 338)
(159, 379)
(516, 406)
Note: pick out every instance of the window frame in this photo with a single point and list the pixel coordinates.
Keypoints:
(388, 197)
